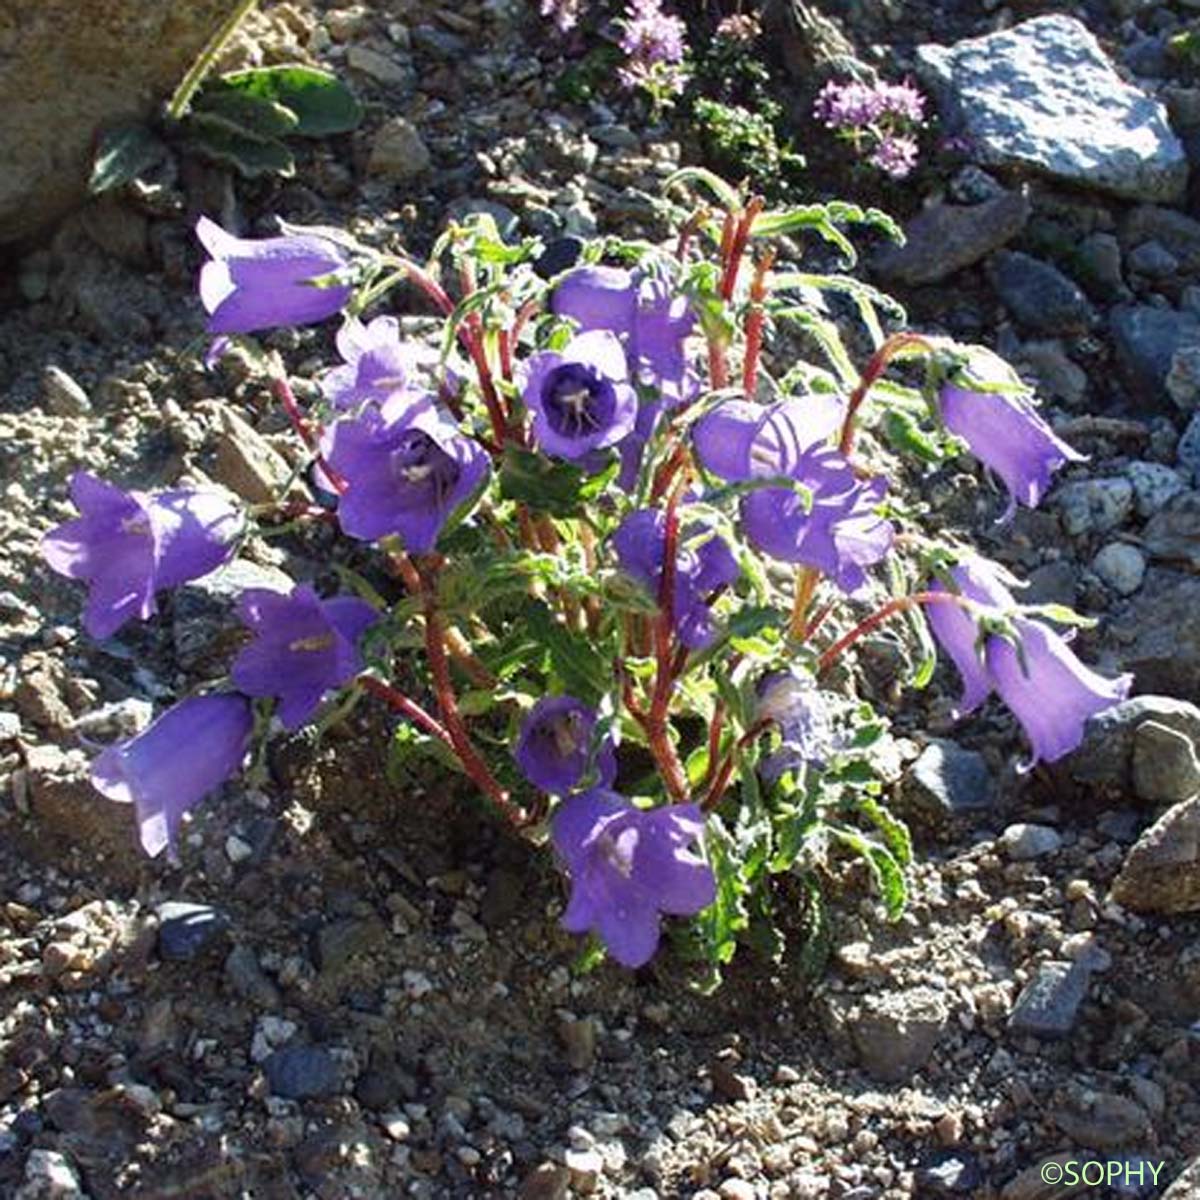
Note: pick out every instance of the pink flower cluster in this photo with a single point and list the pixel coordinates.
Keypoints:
(655, 43)
(564, 13)
(878, 118)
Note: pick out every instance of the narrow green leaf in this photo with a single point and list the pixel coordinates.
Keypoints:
(726, 195)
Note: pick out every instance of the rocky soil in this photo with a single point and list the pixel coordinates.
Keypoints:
(358, 988)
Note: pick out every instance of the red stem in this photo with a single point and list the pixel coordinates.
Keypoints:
(754, 324)
(733, 264)
(877, 618)
(875, 368)
(286, 397)
(439, 668)
(656, 721)
(401, 703)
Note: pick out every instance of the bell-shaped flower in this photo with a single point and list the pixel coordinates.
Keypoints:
(168, 768)
(129, 545)
(580, 396)
(803, 714)
(303, 647)
(703, 565)
(957, 629)
(407, 469)
(662, 324)
(258, 283)
(376, 364)
(554, 746)
(1050, 692)
(627, 867)
(1006, 434)
(641, 309)
(839, 532)
(739, 440)
(597, 298)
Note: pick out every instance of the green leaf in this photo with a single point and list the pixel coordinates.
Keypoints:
(887, 872)
(123, 153)
(894, 831)
(322, 103)
(720, 922)
(213, 137)
(581, 669)
(548, 486)
(725, 195)
(255, 116)
(905, 435)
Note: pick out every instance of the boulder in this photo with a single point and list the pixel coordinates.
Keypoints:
(68, 70)
(1044, 96)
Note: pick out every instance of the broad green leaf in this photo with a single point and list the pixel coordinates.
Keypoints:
(252, 115)
(213, 137)
(123, 153)
(323, 104)
(548, 486)
(579, 666)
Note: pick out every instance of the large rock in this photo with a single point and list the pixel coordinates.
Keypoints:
(1044, 96)
(945, 238)
(1113, 740)
(70, 68)
(1162, 872)
(1148, 341)
(1173, 534)
(1157, 636)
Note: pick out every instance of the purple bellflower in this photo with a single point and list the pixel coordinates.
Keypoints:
(740, 439)
(580, 397)
(1007, 435)
(702, 567)
(840, 534)
(554, 744)
(957, 630)
(597, 298)
(303, 647)
(1050, 692)
(408, 471)
(258, 283)
(639, 308)
(130, 545)
(376, 364)
(628, 866)
(803, 715)
(168, 768)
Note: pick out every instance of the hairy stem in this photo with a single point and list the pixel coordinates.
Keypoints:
(877, 618)
(807, 579)
(439, 669)
(874, 370)
(304, 430)
(181, 98)
(402, 704)
(754, 324)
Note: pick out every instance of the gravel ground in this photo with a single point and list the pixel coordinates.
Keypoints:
(354, 988)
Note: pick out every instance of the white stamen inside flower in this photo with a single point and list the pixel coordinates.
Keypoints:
(319, 641)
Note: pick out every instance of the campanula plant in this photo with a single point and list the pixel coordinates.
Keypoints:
(589, 493)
